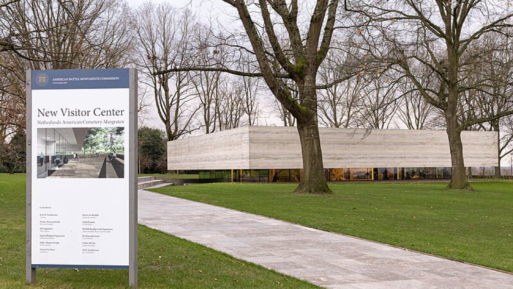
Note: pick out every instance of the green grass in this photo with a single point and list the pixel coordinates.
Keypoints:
(172, 176)
(164, 261)
(475, 227)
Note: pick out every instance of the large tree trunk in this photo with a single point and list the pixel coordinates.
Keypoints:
(458, 176)
(313, 180)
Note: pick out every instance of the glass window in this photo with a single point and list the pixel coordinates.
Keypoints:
(295, 176)
(444, 173)
(408, 173)
(263, 176)
(428, 173)
(360, 174)
(335, 175)
(246, 175)
(204, 174)
(237, 176)
(281, 175)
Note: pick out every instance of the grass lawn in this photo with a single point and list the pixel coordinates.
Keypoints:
(475, 227)
(164, 261)
(172, 176)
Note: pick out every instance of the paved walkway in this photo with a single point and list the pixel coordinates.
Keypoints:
(325, 259)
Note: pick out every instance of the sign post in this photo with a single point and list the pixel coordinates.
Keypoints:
(81, 170)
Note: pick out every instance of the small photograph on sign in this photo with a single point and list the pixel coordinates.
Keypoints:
(91, 152)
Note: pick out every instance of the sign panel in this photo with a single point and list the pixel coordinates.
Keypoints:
(80, 178)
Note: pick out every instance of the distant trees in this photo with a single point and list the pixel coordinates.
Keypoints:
(379, 102)
(187, 101)
(413, 110)
(12, 105)
(365, 101)
(284, 114)
(152, 151)
(67, 34)
(164, 40)
(12, 153)
(56, 35)
(40, 34)
(339, 105)
(247, 89)
(493, 69)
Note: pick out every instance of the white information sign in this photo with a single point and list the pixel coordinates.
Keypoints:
(79, 168)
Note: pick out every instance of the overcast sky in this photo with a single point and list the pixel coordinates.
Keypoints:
(177, 3)
(202, 7)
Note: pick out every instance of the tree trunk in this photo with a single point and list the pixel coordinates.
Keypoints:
(496, 128)
(313, 180)
(458, 176)
(497, 171)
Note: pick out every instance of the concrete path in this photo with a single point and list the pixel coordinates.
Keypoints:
(325, 259)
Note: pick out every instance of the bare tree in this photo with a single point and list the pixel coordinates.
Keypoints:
(248, 87)
(12, 99)
(207, 83)
(413, 109)
(12, 40)
(143, 105)
(239, 102)
(229, 106)
(338, 103)
(41, 34)
(494, 70)
(308, 50)
(285, 116)
(378, 104)
(436, 36)
(68, 34)
(164, 35)
(11, 115)
(12, 153)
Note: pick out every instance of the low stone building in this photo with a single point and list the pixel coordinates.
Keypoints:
(273, 154)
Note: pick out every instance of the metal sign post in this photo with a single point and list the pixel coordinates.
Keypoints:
(82, 170)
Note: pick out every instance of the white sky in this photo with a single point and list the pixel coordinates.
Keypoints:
(177, 3)
(202, 7)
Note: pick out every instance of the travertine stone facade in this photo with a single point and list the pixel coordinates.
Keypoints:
(222, 150)
(279, 148)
